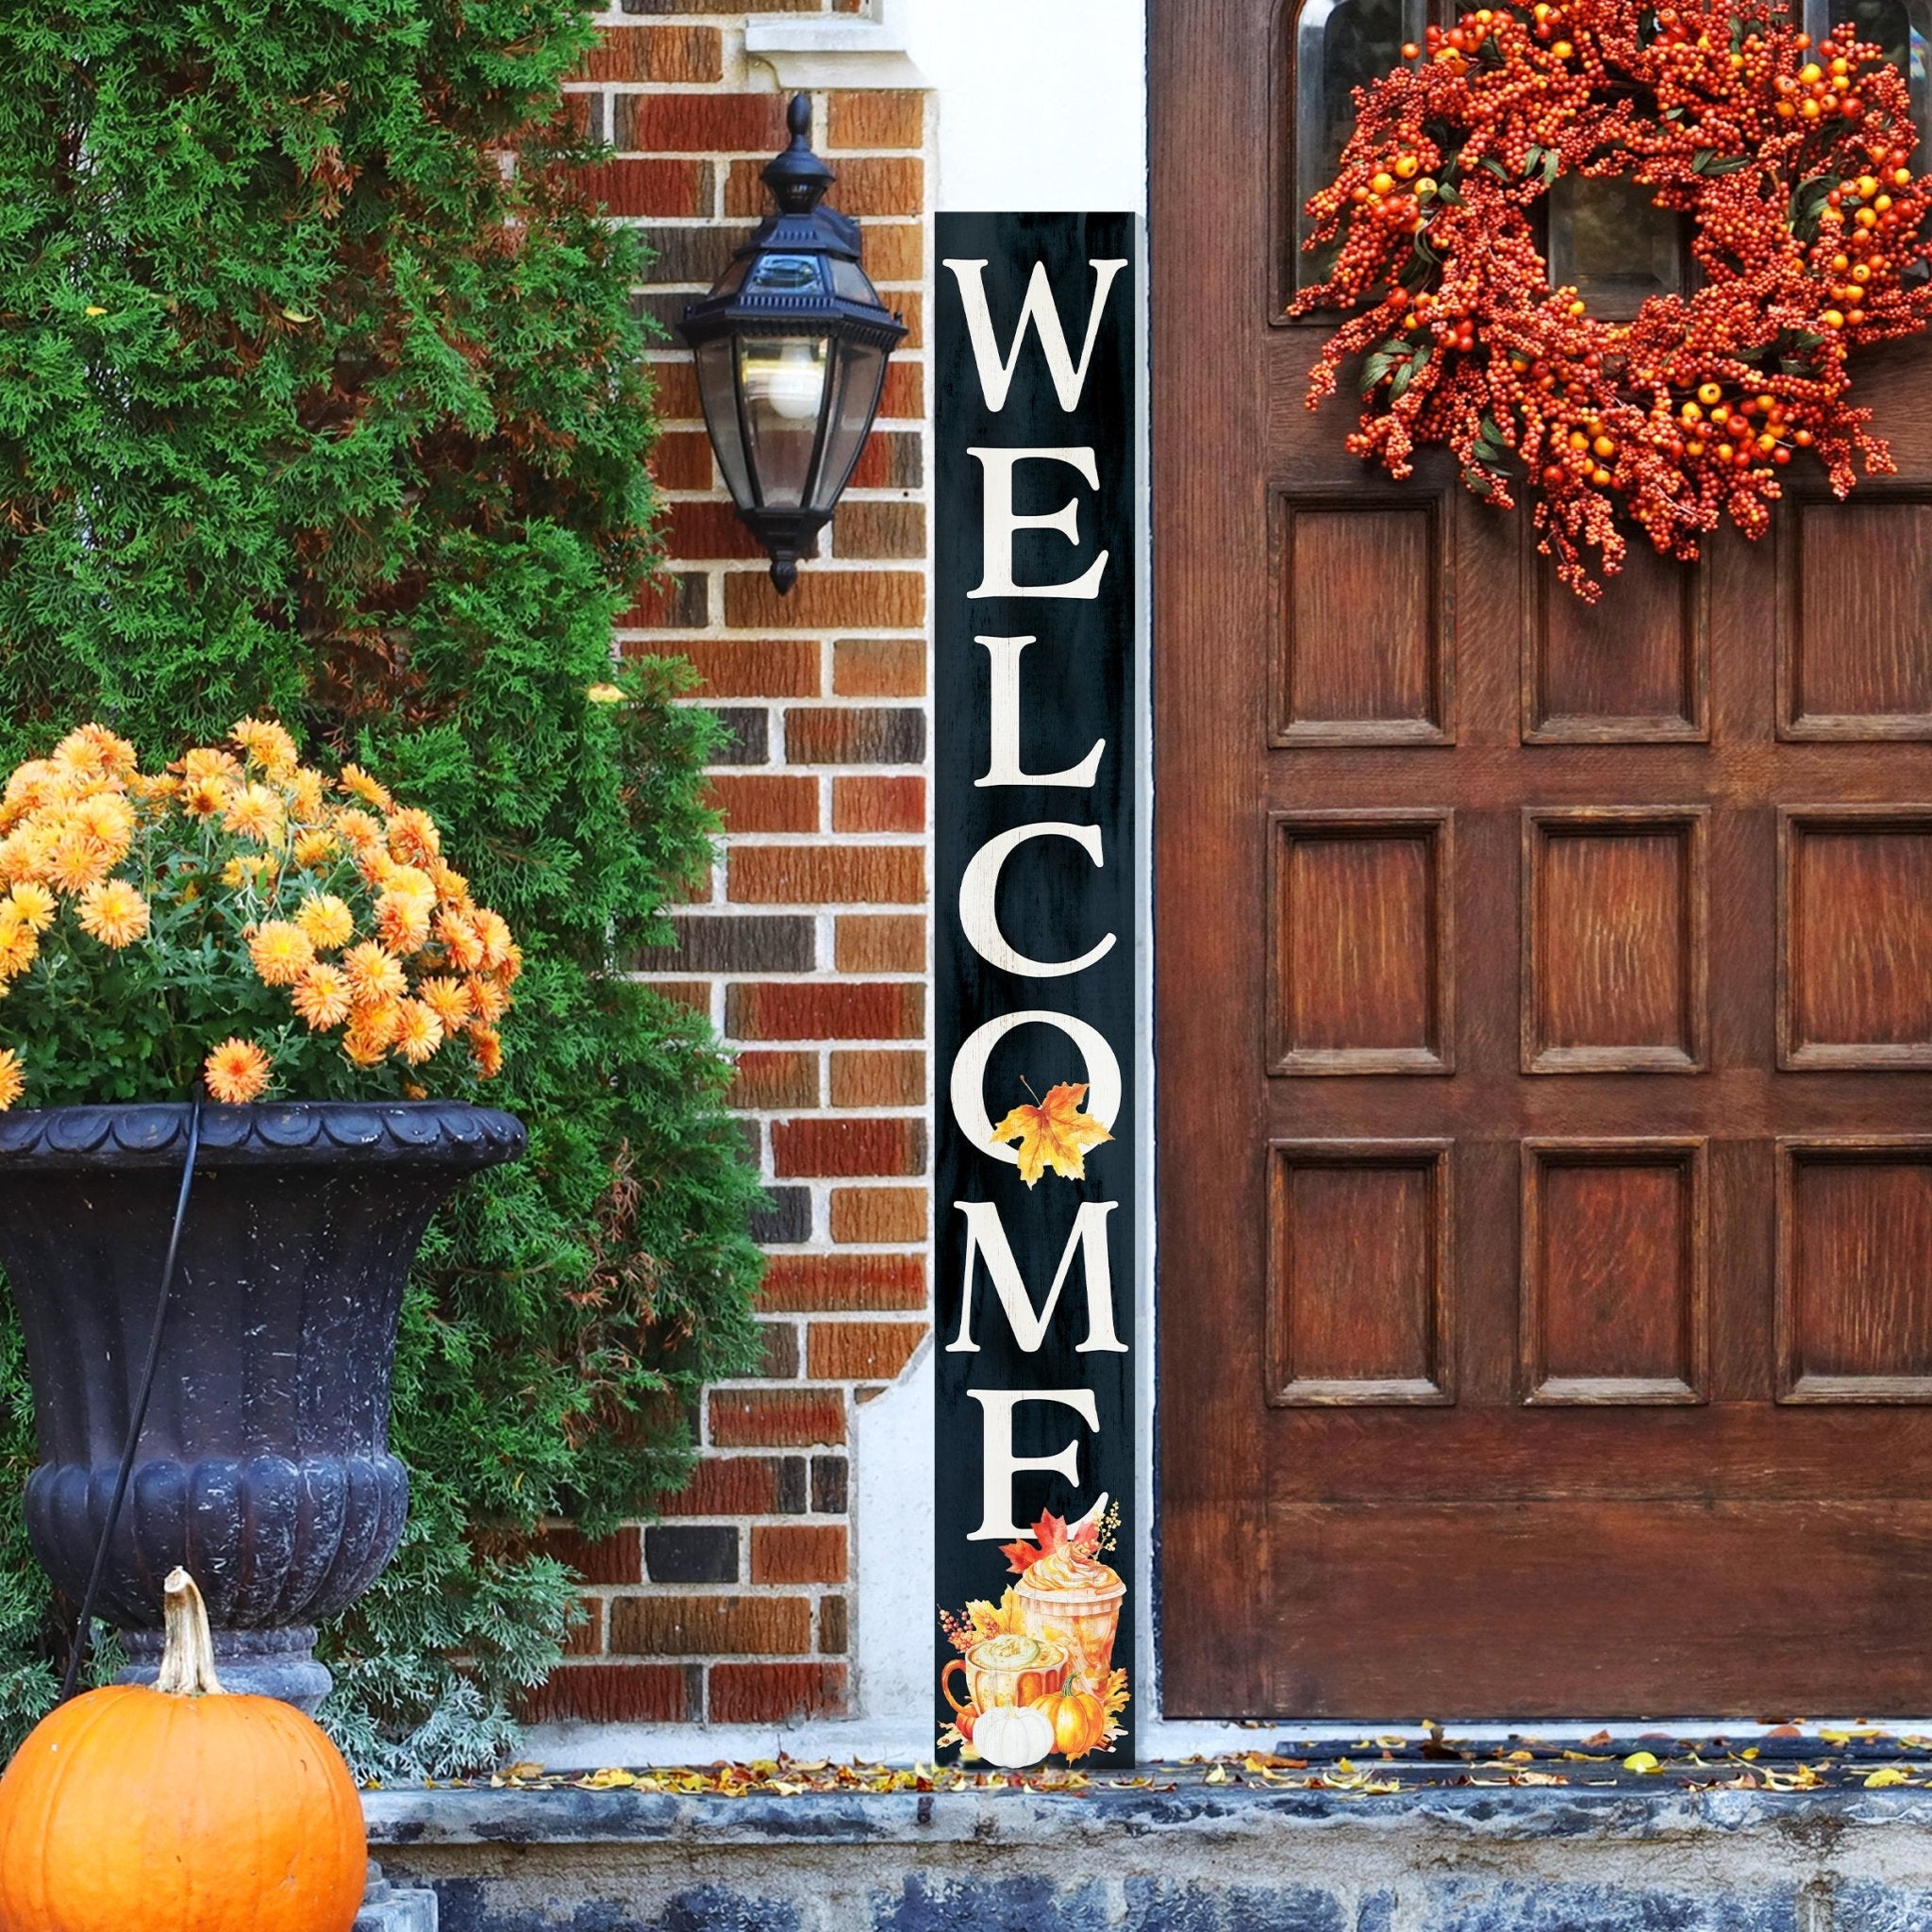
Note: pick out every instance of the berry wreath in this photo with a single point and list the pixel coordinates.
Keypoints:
(1793, 163)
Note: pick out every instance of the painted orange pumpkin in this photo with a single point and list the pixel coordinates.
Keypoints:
(1079, 1719)
(133, 1809)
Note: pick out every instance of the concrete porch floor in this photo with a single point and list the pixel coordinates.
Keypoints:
(1621, 1853)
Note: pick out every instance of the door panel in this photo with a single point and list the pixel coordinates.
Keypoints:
(1544, 1025)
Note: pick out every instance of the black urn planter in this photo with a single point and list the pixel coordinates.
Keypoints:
(263, 1466)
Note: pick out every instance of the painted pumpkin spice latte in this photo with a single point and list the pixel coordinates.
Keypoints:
(1073, 1600)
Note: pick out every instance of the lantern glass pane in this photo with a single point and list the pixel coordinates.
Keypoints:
(861, 376)
(782, 379)
(786, 275)
(718, 388)
(852, 284)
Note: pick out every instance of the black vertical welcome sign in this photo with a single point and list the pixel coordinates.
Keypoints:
(1035, 1161)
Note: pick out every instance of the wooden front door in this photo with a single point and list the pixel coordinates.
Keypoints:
(1544, 1027)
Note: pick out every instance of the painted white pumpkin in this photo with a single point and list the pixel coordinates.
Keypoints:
(1012, 1737)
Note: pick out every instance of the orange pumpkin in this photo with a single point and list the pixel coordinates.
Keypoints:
(133, 1809)
(1079, 1719)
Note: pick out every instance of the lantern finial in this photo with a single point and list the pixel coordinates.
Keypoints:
(798, 178)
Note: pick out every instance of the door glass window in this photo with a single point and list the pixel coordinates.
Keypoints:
(1612, 244)
(1339, 46)
(1902, 27)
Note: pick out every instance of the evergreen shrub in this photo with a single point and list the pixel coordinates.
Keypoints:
(321, 398)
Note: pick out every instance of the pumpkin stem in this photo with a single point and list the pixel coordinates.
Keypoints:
(188, 1652)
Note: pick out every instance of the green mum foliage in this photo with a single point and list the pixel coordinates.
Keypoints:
(321, 398)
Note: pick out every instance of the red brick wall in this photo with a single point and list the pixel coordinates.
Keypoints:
(811, 952)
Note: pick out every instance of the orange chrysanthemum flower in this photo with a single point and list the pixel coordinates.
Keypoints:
(30, 903)
(493, 931)
(307, 794)
(281, 952)
(237, 1070)
(485, 1046)
(402, 921)
(418, 1034)
(114, 913)
(372, 1031)
(357, 780)
(77, 860)
(448, 999)
(241, 872)
(268, 744)
(327, 920)
(488, 1000)
(452, 888)
(108, 820)
(358, 831)
(208, 762)
(204, 795)
(376, 977)
(322, 997)
(315, 847)
(23, 852)
(414, 838)
(12, 1078)
(20, 946)
(254, 812)
(460, 941)
(96, 752)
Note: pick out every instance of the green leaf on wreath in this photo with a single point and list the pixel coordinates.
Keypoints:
(1807, 205)
(1375, 370)
(1406, 375)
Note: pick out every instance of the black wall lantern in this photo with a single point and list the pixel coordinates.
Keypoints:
(791, 347)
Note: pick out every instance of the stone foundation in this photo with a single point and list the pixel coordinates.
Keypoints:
(1189, 1858)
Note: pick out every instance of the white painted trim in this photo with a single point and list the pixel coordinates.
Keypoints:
(1042, 103)
(818, 51)
(894, 1621)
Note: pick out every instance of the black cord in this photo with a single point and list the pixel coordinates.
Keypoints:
(83, 1627)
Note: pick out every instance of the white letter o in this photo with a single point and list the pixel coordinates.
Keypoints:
(969, 1076)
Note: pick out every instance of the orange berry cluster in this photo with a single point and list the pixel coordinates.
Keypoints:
(1793, 163)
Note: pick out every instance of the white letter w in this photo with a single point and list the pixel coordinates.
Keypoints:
(996, 370)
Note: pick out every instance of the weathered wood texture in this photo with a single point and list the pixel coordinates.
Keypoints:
(1545, 1046)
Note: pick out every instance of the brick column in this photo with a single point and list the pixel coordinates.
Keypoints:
(811, 952)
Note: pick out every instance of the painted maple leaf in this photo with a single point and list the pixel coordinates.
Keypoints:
(1055, 1134)
(1054, 1534)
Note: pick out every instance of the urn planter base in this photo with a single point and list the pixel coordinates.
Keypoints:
(257, 1663)
(263, 1465)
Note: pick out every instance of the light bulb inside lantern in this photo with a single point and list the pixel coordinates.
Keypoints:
(788, 376)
